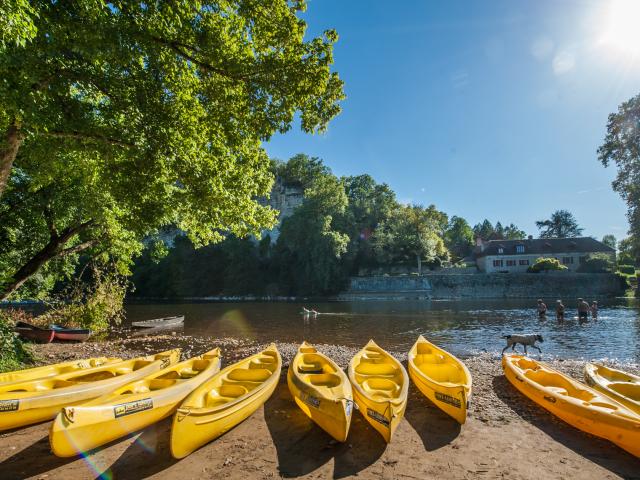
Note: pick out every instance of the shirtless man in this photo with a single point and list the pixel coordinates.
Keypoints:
(583, 310)
(559, 310)
(542, 309)
(594, 310)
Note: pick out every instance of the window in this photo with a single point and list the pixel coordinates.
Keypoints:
(582, 259)
(511, 263)
(501, 250)
(497, 263)
(519, 248)
(524, 262)
(567, 260)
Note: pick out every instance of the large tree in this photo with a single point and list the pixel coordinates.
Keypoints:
(487, 231)
(120, 117)
(562, 224)
(459, 238)
(413, 231)
(621, 147)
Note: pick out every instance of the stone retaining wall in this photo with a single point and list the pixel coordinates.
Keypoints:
(496, 285)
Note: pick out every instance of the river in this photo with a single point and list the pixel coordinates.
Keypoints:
(465, 327)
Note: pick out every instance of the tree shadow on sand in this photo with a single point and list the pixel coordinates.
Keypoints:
(32, 461)
(599, 451)
(303, 447)
(148, 454)
(435, 428)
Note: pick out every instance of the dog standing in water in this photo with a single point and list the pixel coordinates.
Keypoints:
(524, 340)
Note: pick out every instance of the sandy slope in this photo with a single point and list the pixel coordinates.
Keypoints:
(506, 436)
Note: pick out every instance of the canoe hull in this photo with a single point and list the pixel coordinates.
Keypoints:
(160, 323)
(616, 384)
(19, 408)
(589, 416)
(441, 377)
(194, 427)
(39, 335)
(380, 388)
(125, 410)
(53, 370)
(322, 391)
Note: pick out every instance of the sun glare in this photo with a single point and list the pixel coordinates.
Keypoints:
(622, 30)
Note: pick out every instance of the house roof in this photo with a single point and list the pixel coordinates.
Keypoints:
(544, 246)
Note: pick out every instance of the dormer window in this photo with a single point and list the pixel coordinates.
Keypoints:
(519, 248)
(500, 250)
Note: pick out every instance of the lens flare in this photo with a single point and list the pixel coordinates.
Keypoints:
(235, 323)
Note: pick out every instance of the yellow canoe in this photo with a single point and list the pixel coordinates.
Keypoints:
(224, 401)
(621, 386)
(321, 390)
(577, 404)
(54, 369)
(33, 401)
(130, 407)
(441, 377)
(380, 386)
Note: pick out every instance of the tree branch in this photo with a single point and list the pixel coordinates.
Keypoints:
(90, 137)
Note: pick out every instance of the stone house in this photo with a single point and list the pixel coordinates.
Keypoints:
(506, 256)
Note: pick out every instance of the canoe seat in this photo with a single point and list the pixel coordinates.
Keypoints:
(159, 384)
(188, 373)
(430, 359)
(558, 390)
(253, 375)
(608, 406)
(376, 369)
(329, 380)
(233, 391)
(381, 387)
(629, 390)
(442, 372)
(309, 368)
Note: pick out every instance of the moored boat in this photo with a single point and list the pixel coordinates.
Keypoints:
(33, 401)
(621, 386)
(129, 407)
(164, 322)
(441, 377)
(322, 391)
(577, 404)
(70, 334)
(32, 333)
(54, 369)
(380, 387)
(224, 401)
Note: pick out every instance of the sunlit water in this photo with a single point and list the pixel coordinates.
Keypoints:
(463, 327)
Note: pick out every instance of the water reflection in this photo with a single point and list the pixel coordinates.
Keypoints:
(464, 327)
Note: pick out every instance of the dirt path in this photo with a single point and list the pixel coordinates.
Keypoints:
(506, 436)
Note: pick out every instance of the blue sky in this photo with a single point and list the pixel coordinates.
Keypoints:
(490, 109)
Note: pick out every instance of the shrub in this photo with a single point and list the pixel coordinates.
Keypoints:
(13, 353)
(546, 264)
(596, 263)
(94, 304)
(627, 269)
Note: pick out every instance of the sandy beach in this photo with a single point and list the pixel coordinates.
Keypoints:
(506, 435)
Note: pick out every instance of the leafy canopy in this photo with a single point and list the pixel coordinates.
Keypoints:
(562, 224)
(123, 117)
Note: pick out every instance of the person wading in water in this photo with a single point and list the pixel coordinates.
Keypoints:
(542, 309)
(559, 310)
(583, 310)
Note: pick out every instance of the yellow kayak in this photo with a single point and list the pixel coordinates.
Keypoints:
(577, 404)
(380, 386)
(224, 401)
(441, 377)
(130, 407)
(54, 369)
(33, 401)
(621, 386)
(321, 390)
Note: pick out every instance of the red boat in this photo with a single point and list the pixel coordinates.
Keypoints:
(29, 332)
(70, 334)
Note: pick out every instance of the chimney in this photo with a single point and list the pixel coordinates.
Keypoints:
(479, 244)
(530, 237)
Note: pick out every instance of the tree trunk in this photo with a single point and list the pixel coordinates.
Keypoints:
(50, 251)
(8, 152)
(419, 264)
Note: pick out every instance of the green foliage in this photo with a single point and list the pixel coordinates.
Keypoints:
(627, 269)
(562, 224)
(628, 252)
(610, 241)
(16, 22)
(13, 353)
(95, 303)
(621, 147)
(413, 232)
(459, 238)
(545, 265)
(128, 117)
(487, 231)
(596, 263)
